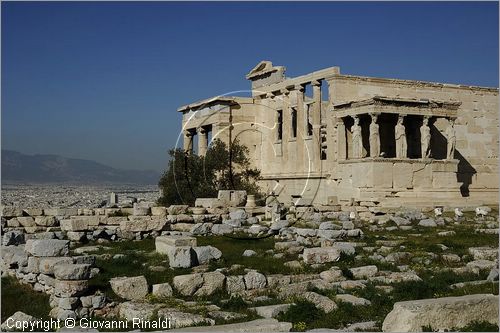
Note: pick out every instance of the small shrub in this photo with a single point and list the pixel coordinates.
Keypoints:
(302, 312)
(190, 176)
(235, 303)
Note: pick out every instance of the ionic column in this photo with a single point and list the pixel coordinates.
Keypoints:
(316, 116)
(316, 125)
(188, 141)
(287, 120)
(341, 140)
(202, 141)
(303, 158)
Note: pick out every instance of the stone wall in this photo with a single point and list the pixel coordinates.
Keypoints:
(46, 265)
(106, 223)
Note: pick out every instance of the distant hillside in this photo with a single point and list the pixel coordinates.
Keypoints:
(18, 167)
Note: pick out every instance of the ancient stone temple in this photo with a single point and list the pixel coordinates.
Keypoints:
(326, 138)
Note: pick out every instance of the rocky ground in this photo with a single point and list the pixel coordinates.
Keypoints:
(393, 259)
(308, 270)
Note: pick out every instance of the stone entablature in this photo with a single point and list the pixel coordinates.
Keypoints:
(400, 106)
(211, 118)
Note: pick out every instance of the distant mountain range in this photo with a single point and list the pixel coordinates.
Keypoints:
(18, 167)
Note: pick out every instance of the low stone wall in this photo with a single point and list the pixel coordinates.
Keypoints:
(104, 223)
(47, 266)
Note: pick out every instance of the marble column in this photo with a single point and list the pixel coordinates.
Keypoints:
(302, 162)
(202, 141)
(188, 141)
(316, 125)
(287, 120)
(341, 140)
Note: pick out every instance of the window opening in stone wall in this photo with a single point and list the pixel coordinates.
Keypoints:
(279, 124)
(294, 123)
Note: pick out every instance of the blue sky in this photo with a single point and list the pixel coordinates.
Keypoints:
(103, 81)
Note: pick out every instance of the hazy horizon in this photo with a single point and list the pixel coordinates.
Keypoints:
(103, 81)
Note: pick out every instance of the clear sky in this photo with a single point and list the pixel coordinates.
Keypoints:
(103, 81)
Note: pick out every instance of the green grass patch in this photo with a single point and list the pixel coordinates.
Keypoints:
(305, 316)
(487, 288)
(437, 284)
(428, 241)
(21, 297)
(233, 248)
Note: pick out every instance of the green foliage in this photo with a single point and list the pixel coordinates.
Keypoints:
(304, 316)
(437, 284)
(477, 326)
(19, 297)
(190, 176)
(235, 303)
(301, 312)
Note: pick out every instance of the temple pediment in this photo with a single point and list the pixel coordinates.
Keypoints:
(265, 74)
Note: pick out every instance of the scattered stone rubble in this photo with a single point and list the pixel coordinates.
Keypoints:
(36, 250)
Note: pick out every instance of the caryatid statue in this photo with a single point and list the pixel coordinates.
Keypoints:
(425, 138)
(400, 134)
(357, 140)
(452, 139)
(374, 137)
